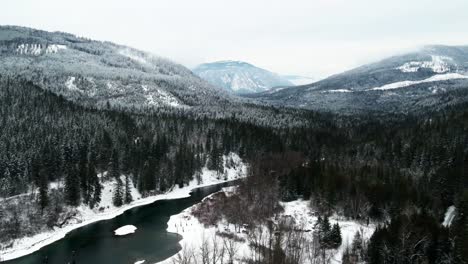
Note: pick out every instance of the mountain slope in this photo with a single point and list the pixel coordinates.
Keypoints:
(94, 72)
(239, 77)
(404, 83)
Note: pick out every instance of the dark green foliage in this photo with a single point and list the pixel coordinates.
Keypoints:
(404, 168)
(118, 195)
(128, 194)
(335, 236)
(460, 229)
(415, 239)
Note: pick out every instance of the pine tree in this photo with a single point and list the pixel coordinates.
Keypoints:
(325, 232)
(357, 246)
(43, 191)
(114, 173)
(335, 236)
(128, 193)
(460, 228)
(72, 180)
(117, 198)
(83, 175)
(94, 182)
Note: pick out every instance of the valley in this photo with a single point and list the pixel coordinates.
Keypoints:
(102, 144)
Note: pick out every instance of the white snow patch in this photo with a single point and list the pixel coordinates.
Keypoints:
(131, 55)
(106, 210)
(125, 230)
(437, 65)
(338, 91)
(449, 216)
(54, 48)
(305, 217)
(162, 97)
(29, 49)
(38, 49)
(140, 262)
(70, 83)
(435, 78)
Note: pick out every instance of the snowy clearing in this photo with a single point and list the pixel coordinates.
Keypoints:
(194, 234)
(125, 230)
(86, 216)
(338, 91)
(435, 78)
(437, 65)
(70, 84)
(449, 216)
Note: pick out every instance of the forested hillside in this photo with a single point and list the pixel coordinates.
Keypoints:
(401, 171)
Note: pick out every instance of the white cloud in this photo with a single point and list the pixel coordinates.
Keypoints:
(295, 36)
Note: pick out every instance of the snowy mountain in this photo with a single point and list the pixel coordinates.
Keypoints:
(426, 78)
(100, 73)
(240, 77)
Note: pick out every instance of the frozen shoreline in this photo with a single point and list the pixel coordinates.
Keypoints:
(28, 245)
(34, 243)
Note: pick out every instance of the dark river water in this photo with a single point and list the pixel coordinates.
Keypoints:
(96, 243)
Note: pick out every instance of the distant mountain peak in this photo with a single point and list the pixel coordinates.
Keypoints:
(240, 77)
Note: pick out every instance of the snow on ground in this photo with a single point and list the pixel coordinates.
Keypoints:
(435, 78)
(70, 83)
(305, 217)
(132, 55)
(449, 216)
(140, 262)
(168, 98)
(29, 49)
(158, 96)
(38, 49)
(125, 230)
(194, 233)
(54, 48)
(338, 91)
(106, 210)
(437, 65)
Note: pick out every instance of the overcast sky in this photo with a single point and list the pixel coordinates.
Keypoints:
(307, 37)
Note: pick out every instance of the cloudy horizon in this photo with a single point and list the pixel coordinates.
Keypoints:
(313, 38)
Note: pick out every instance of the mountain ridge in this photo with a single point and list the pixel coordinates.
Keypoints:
(399, 83)
(239, 77)
(101, 72)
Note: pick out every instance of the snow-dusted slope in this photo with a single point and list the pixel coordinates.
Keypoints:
(435, 78)
(240, 77)
(404, 83)
(100, 73)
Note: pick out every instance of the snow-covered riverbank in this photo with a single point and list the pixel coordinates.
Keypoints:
(86, 216)
(196, 234)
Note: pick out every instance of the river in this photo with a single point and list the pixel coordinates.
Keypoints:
(96, 243)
